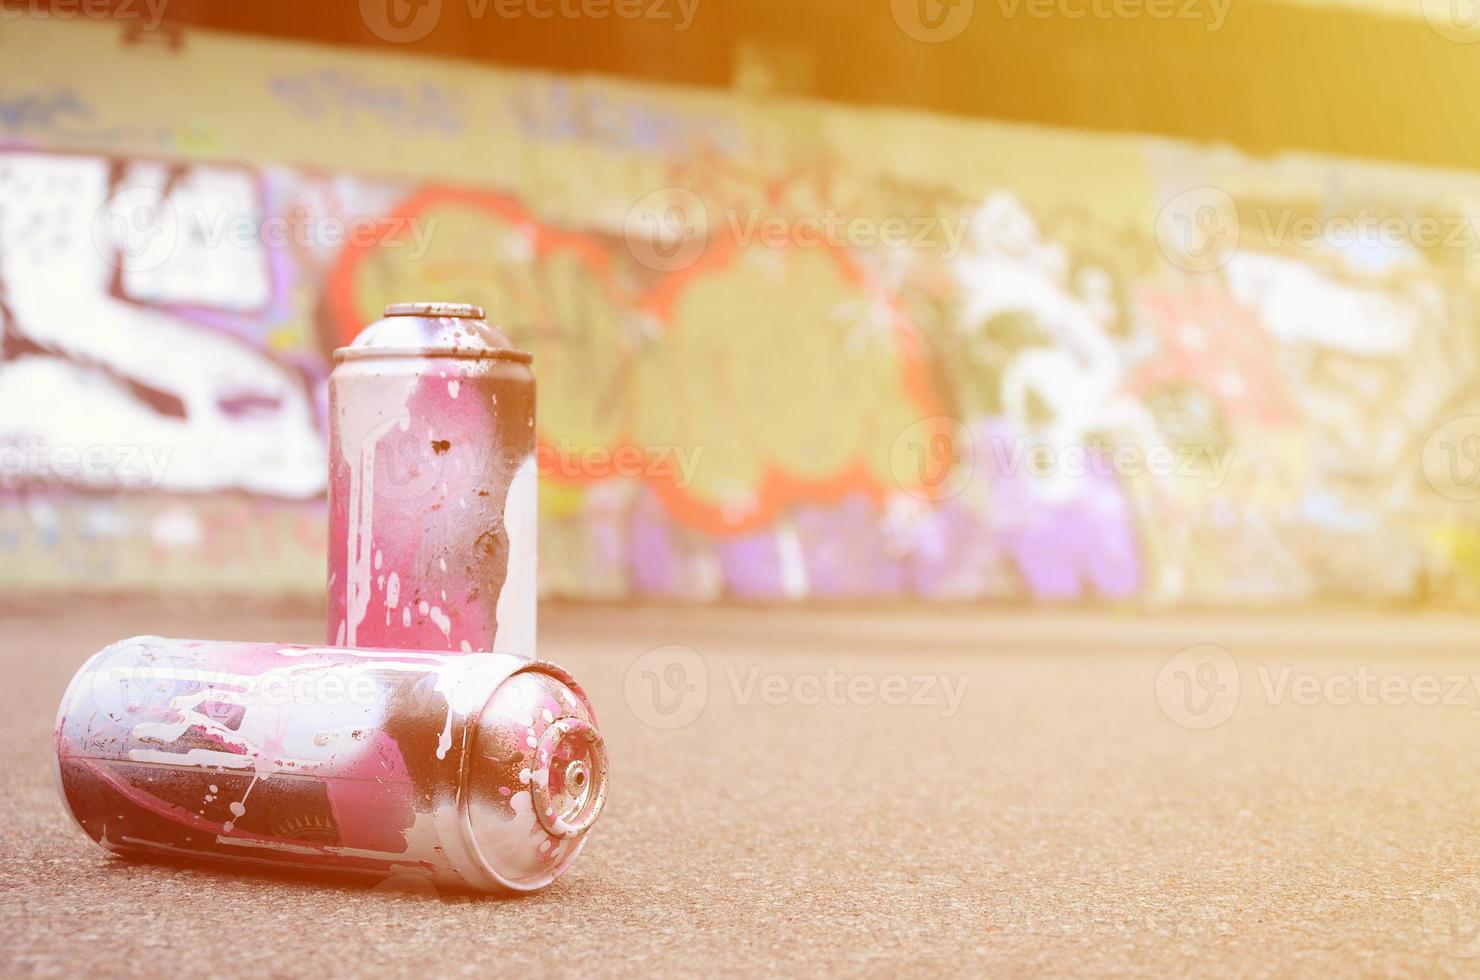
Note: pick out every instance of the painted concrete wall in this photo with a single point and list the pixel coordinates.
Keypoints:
(784, 350)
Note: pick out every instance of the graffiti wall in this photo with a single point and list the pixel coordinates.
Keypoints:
(784, 350)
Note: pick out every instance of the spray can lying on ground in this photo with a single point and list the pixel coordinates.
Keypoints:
(432, 485)
(479, 771)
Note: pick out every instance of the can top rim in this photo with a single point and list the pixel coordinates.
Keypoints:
(466, 311)
(425, 329)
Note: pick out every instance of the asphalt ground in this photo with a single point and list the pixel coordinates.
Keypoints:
(862, 792)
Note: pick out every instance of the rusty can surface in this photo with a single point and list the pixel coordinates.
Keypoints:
(432, 485)
(481, 771)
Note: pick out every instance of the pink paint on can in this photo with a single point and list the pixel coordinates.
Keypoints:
(477, 771)
(432, 485)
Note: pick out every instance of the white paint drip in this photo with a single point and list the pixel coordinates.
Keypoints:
(516, 599)
(359, 434)
(442, 621)
(793, 560)
(460, 685)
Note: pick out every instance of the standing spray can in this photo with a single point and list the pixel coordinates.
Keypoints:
(481, 771)
(432, 485)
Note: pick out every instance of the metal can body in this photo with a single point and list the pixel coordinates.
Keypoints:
(478, 771)
(432, 486)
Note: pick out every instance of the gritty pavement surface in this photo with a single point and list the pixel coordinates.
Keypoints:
(1090, 805)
